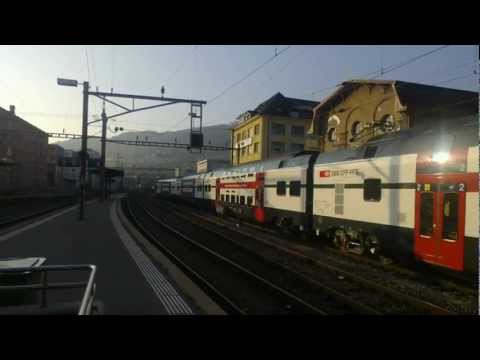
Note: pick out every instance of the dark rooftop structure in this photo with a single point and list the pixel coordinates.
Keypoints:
(281, 105)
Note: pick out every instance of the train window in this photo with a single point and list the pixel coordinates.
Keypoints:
(370, 152)
(242, 200)
(450, 216)
(222, 197)
(372, 190)
(426, 213)
(227, 199)
(249, 200)
(281, 188)
(295, 187)
(339, 192)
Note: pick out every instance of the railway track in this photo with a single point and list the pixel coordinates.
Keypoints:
(240, 281)
(345, 287)
(10, 220)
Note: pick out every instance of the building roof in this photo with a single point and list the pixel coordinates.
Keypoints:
(408, 93)
(7, 114)
(279, 104)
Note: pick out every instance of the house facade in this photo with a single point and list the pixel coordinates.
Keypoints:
(361, 109)
(276, 127)
(23, 154)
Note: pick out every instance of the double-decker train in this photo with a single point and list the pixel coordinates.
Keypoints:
(407, 195)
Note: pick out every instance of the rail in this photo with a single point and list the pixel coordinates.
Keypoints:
(90, 288)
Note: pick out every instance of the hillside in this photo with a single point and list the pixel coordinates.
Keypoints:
(140, 156)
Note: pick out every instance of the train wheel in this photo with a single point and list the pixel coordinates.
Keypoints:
(340, 239)
(356, 245)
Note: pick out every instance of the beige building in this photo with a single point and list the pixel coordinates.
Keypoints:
(361, 109)
(276, 127)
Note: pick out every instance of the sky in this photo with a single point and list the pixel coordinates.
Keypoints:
(28, 78)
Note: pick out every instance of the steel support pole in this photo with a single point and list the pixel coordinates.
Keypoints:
(102, 161)
(83, 156)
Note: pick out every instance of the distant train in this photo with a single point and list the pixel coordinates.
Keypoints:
(407, 194)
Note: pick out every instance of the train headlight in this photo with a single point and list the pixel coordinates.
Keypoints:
(441, 157)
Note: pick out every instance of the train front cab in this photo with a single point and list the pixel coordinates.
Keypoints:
(446, 217)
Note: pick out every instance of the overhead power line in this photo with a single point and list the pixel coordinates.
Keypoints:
(236, 83)
(390, 68)
(418, 57)
(455, 78)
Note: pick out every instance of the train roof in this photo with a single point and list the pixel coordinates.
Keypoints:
(408, 141)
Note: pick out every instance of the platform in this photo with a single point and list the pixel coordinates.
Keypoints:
(128, 280)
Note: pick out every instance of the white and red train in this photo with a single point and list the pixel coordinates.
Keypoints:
(407, 194)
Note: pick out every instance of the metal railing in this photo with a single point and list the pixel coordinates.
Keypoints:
(88, 296)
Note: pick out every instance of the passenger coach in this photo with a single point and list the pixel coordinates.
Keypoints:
(408, 194)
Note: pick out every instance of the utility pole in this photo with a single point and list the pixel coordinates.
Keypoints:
(83, 155)
(102, 161)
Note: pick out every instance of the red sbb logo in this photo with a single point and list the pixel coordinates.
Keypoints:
(325, 173)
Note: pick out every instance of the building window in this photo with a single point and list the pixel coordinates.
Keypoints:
(278, 147)
(372, 190)
(332, 135)
(356, 128)
(256, 129)
(281, 188)
(238, 137)
(222, 197)
(249, 200)
(294, 114)
(227, 198)
(278, 129)
(295, 187)
(242, 200)
(255, 148)
(298, 130)
(243, 151)
(296, 147)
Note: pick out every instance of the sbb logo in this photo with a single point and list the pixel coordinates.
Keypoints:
(325, 173)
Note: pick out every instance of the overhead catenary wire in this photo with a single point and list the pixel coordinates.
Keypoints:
(455, 78)
(271, 76)
(236, 83)
(383, 71)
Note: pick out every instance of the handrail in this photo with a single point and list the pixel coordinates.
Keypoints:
(88, 296)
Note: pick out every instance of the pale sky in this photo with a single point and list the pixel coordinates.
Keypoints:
(28, 77)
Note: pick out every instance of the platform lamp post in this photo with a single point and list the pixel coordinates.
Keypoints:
(83, 153)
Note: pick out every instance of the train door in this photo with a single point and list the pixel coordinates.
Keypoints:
(218, 203)
(259, 211)
(440, 220)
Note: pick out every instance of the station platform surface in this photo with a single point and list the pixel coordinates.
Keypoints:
(127, 281)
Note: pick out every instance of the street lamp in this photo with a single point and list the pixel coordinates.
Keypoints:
(83, 153)
(67, 82)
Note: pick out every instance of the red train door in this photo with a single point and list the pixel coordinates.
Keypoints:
(259, 211)
(440, 219)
